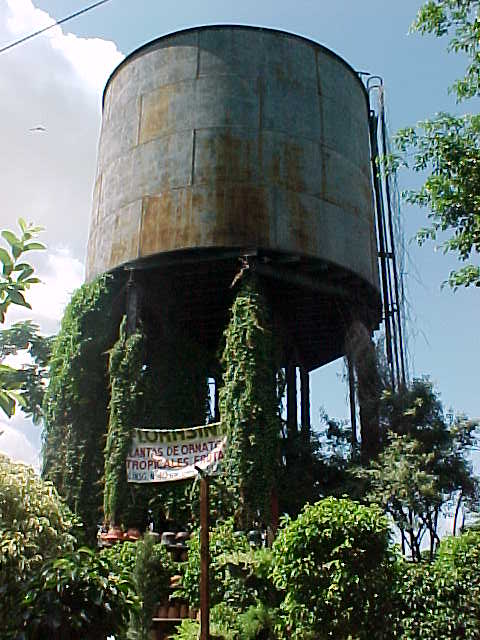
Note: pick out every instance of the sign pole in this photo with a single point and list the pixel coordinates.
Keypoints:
(204, 559)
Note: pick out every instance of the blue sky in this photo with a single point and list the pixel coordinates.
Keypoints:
(370, 35)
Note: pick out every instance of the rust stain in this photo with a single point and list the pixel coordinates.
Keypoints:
(224, 157)
(237, 155)
(275, 167)
(155, 217)
(244, 218)
(300, 230)
(99, 245)
(286, 167)
(186, 231)
(91, 255)
(167, 222)
(124, 235)
(154, 118)
(293, 154)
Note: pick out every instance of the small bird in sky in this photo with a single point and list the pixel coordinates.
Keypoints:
(38, 128)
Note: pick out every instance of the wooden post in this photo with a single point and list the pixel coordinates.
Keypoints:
(204, 560)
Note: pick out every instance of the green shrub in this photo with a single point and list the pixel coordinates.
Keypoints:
(187, 630)
(75, 405)
(121, 557)
(151, 575)
(76, 597)
(224, 587)
(239, 575)
(258, 623)
(334, 566)
(441, 600)
(242, 595)
(35, 525)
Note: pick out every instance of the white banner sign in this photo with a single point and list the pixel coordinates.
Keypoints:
(158, 455)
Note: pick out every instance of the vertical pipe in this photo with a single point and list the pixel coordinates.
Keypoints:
(132, 304)
(353, 407)
(291, 379)
(402, 372)
(396, 320)
(305, 402)
(204, 560)
(381, 242)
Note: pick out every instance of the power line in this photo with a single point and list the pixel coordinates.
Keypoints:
(55, 24)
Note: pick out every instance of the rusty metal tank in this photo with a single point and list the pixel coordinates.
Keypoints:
(232, 140)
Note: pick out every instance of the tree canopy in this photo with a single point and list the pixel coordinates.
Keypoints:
(35, 525)
(447, 147)
(423, 473)
(16, 277)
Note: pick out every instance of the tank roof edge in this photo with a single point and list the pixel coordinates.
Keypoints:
(143, 48)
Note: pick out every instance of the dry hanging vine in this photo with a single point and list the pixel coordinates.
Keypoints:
(249, 405)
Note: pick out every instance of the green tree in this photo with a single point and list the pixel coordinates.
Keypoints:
(76, 597)
(448, 147)
(30, 380)
(16, 277)
(333, 564)
(424, 472)
(440, 600)
(35, 525)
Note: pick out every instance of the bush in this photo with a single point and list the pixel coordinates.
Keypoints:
(258, 622)
(242, 595)
(223, 586)
(121, 557)
(441, 600)
(151, 575)
(334, 567)
(35, 525)
(76, 597)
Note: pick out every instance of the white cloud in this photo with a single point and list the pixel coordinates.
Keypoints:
(54, 80)
(60, 274)
(17, 446)
(92, 59)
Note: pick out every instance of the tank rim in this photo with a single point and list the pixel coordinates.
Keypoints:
(144, 47)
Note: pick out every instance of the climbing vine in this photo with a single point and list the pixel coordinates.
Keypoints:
(249, 405)
(157, 383)
(125, 369)
(175, 396)
(76, 403)
(153, 385)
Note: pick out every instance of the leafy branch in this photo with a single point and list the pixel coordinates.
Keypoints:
(17, 276)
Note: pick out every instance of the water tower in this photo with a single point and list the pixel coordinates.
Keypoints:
(229, 143)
